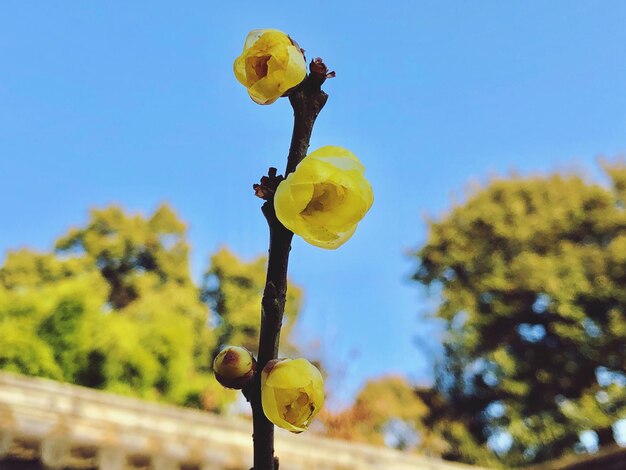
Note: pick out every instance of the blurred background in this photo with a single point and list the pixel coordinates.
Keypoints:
(479, 312)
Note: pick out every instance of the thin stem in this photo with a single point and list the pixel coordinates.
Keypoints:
(307, 101)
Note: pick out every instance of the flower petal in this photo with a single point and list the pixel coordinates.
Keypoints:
(292, 373)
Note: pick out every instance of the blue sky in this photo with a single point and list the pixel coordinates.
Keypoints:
(136, 103)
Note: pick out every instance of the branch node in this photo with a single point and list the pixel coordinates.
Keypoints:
(268, 184)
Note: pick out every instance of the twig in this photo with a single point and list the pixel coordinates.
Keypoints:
(307, 100)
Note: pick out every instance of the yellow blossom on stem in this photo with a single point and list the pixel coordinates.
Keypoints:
(270, 64)
(292, 392)
(324, 199)
(234, 367)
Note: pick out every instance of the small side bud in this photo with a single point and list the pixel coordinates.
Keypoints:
(268, 184)
(234, 367)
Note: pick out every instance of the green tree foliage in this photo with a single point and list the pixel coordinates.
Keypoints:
(114, 307)
(36, 290)
(233, 288)
(531, 276)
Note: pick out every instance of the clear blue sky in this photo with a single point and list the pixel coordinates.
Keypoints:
(136, 103)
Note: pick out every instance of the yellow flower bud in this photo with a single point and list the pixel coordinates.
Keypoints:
(292, 392)
(324, 199)
(234, 367)
(270, 64)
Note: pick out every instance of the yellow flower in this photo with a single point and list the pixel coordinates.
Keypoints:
(325, 198)
(292, 392)
(270, 64)
(234, 367)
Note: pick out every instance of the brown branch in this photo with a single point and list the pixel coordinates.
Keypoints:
(307, 100)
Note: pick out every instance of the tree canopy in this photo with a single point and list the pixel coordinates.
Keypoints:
(233, 289)
(386, 411)
(530, 274)
(114, 307)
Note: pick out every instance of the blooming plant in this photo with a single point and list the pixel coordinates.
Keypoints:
(271, 63)
(322, 198)
(292, 392)
(325, 198)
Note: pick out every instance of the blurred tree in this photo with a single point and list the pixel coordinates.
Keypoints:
(115, 308)
(386, 411)
(132, 252)
(233, 289)
(40, 299)
(531, 275)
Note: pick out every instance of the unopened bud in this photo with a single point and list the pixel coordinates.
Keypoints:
(234, 367)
